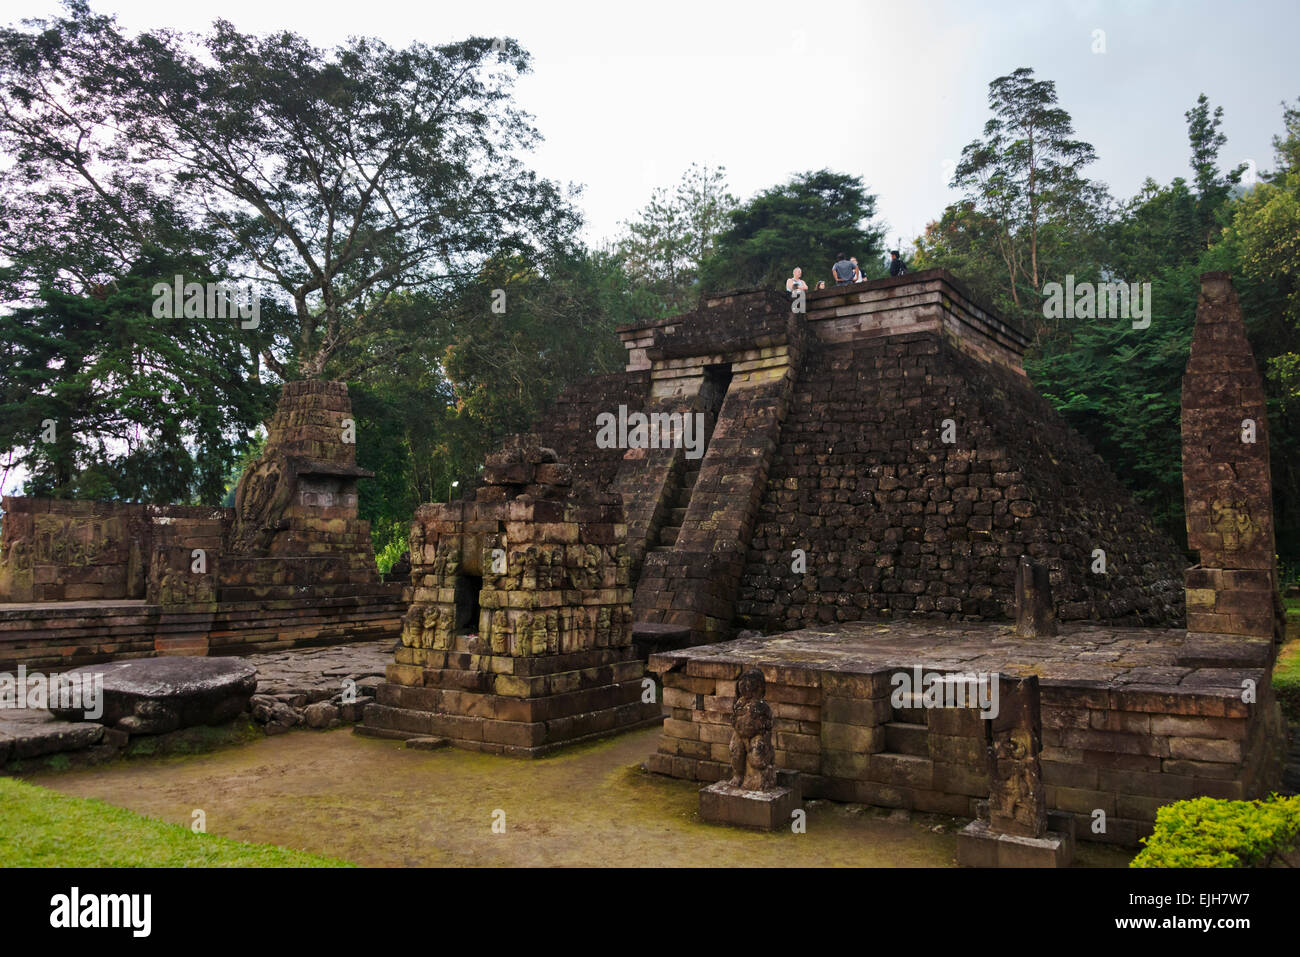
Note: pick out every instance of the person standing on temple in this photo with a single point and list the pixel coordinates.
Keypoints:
(843, 270)
(795, 282)
(896, 265)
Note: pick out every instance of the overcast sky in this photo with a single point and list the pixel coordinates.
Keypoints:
(628, 95)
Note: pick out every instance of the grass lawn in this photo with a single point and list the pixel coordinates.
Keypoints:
(42, 828)
(1286, 673)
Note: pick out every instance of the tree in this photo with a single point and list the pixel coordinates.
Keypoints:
(341, 177)
(1212, 190)
(665, 246)
(1024, 176)
(101, 399)
(805, 222)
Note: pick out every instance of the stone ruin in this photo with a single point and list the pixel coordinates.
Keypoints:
(289, 565)
(1233, 590)
(1135, 711)
(881, 455)
(519, 637)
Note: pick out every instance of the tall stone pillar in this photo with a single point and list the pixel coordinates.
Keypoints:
(1226, 480)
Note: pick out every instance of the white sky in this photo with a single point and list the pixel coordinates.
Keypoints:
(628, 95)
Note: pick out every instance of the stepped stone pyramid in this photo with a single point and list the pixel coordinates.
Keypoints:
(881, 454)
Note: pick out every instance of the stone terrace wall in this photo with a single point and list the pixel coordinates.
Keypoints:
(1123, 750)
(895, 521)
(57, 550)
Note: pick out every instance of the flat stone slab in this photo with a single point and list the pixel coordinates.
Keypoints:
(978, 845)
(156, 695)
(29, 733)
(721, 803)
(1141, 659)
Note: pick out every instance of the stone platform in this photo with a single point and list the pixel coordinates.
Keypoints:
(61, 634)
(1132, 718)
(524, 707)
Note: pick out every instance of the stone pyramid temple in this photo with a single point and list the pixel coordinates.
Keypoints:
(882, 454)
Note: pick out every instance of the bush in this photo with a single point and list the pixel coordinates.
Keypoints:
(1207, 832)
(390, 540)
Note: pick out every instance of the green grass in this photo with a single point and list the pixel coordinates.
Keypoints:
(43, 828)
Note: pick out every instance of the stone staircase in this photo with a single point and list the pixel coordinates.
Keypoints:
(681, 500)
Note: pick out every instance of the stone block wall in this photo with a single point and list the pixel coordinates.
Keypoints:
(59, 550)
(894, 520)
(1123, 751)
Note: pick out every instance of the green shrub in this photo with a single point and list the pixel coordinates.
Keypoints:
(390, 540)
(1207, 832)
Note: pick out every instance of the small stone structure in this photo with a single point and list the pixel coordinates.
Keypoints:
(752, 796)
(519, 638)
(1014, 830)
(290, 565)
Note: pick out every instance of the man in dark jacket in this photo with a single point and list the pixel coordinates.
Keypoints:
(896, 265)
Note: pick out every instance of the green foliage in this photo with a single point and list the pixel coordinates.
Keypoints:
(141, 408)
(42, 828)
(1207, 832)
(806, 222)
(1120, 388)
(665, 246)
(1023, 177)
(468, 374)
(339, 177)
(391, 539)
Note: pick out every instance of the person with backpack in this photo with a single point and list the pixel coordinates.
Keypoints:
(896, 265)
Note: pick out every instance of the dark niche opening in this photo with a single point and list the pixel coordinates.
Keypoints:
(467, 608)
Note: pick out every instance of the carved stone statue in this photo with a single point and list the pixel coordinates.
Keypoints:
(1017, 802)
(264, 493)
(751, 735)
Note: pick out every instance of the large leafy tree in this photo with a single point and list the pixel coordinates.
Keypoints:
(340, 178)
(806, 223)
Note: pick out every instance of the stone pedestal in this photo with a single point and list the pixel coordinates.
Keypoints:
(723, 803)
(978, 845)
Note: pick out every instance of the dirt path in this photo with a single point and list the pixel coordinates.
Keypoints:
(378, 804)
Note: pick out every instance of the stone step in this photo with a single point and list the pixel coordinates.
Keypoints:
(676, 516)
(668, 535)
(907, 738)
